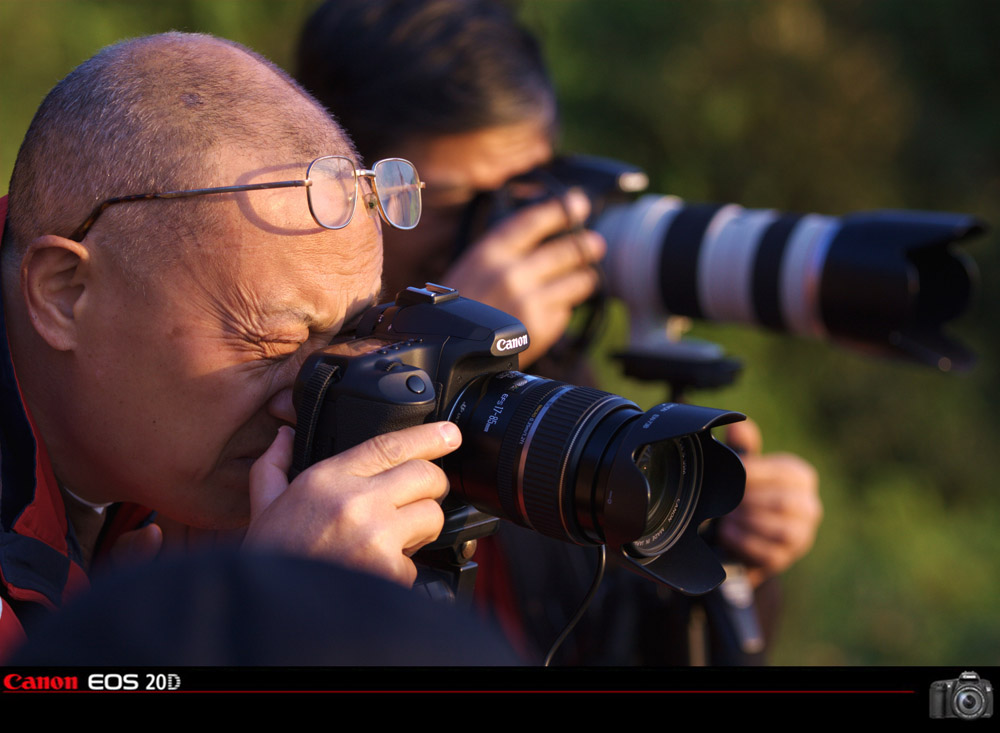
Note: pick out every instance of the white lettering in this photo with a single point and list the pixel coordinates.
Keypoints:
(508, 344)
(113, 681)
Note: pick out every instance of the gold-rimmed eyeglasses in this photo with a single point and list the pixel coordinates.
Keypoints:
(332, 190)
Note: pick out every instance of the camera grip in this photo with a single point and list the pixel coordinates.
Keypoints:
(370, 418)
(340, 409)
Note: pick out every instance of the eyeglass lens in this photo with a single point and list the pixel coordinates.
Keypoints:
(398, 192)
(334, 189)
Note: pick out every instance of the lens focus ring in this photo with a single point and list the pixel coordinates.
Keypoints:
(552, 446)
(532, 401)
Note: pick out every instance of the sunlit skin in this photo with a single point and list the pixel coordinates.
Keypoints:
(182, 384)
(179, 386)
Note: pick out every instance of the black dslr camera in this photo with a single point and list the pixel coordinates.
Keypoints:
(574, 463)
(968, 697)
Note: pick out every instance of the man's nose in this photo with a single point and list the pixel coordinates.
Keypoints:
(281, 407)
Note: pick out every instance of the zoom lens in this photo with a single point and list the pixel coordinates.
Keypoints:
(589, 467)
(886, 281)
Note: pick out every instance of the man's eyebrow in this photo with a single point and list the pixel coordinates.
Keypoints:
(308, 319)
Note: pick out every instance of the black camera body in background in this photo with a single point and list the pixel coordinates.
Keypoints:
(574, 463)
(967, 697)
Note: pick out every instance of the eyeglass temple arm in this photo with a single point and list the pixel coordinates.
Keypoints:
(81, 232)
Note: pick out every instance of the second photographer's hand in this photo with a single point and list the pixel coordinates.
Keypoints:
(536, 265)
(776, 523)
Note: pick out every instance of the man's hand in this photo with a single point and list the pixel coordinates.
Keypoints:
(776, 522)
(517, 268)
(368, 508)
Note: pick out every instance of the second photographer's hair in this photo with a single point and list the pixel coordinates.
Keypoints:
(441, 67)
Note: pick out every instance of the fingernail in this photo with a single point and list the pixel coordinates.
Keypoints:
(451, 434)
(578, 205)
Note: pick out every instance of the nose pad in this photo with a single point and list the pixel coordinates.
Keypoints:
(370, 200)
(281, 406)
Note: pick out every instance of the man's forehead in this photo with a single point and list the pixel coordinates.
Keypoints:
(277, 210)
(239, 166)
(264, 250)
(290, 255)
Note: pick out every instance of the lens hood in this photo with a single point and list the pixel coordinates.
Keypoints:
(712, 482)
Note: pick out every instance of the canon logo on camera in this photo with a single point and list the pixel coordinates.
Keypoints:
(518, 343)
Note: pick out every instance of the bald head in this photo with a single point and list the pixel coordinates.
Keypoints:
(161, 381)
(150, 115)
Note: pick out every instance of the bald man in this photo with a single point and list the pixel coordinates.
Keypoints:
(155, 338)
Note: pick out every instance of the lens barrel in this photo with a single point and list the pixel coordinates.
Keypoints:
(589, 467)
(886, 281)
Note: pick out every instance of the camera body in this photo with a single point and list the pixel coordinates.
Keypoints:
(418, 353)
(574, 463)
(967, 697)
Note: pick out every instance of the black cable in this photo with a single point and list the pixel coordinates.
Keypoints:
(584, 605)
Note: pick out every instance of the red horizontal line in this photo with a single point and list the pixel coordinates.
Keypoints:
(483, 692)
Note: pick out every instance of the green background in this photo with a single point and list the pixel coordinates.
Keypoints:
(800, 105)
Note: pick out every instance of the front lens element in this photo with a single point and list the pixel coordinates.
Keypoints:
(969, 702)
(669, 468)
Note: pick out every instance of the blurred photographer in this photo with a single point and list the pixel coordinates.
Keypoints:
(461, 89)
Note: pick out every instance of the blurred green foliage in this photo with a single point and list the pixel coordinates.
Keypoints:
(791, 104)
(829, 107)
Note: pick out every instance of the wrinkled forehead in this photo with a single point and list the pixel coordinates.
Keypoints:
(280, 203)
(265, 265)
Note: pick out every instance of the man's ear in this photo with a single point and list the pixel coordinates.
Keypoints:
(54, 274)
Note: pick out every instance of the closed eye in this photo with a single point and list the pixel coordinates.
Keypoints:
(281, 347)
(278, 349)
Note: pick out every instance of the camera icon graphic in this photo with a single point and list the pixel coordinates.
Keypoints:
(967, 697)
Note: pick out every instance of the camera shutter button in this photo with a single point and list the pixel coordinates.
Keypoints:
(415, 384)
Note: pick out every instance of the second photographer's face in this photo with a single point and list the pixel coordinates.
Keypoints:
(456, 168)
(186, 380)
